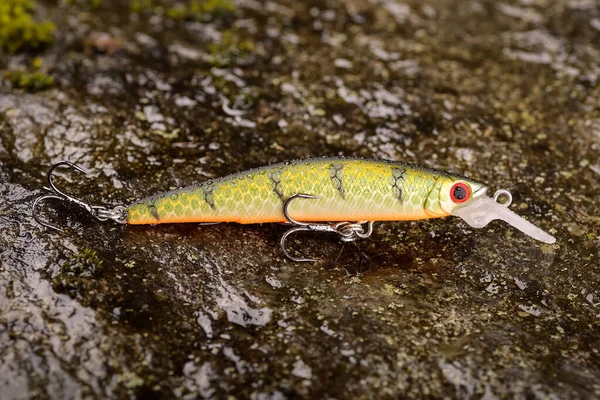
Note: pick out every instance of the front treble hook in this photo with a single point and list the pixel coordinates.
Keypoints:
(118, 214)
(347, 231)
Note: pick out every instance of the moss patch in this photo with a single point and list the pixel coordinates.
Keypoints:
(76, 273)
(138, 6)
(17, 28)
(31, 81)
(232, 51)
(199, 10)
(189, 10)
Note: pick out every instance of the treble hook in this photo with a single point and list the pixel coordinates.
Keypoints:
(347, 231)
(118, 214)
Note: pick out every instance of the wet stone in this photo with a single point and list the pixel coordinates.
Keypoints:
(164, 94)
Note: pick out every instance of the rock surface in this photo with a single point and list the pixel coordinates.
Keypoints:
(152, 97)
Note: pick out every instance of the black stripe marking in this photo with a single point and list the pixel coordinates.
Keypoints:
(275, 177)
(397, 175)
(153, 211)
(336, 175)
(430, 189)
(208, 188)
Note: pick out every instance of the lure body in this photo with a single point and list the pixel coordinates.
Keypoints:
(321, 195)
(348, 189)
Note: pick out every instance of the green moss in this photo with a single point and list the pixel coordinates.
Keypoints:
(17, 28)
(31, 81)
(139, 6)
(178, 12)
(218, 7)
(76, 273)
(200, 10)
(231, 50)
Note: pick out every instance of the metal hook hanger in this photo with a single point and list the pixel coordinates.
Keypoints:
(347, 231)
(101, 213)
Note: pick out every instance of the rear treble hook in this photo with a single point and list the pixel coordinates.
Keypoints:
(101, 213)
(347, 231)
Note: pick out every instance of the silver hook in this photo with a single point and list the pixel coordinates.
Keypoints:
(347, 231)
(35, 213)
(117, 214)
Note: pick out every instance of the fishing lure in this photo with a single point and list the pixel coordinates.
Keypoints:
(323, 195)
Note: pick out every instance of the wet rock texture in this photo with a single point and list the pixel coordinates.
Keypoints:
(150, 99)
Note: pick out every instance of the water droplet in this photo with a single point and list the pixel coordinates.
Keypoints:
(174, 196)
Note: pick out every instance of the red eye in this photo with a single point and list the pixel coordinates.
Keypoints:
(460, 192)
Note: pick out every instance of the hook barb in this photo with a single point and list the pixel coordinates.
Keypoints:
(284, 250)
(287, 204)
(347, 231)
(118, 214)
(35, 211)
(59, 192)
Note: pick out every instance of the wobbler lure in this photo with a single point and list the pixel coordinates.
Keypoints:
(313, 195)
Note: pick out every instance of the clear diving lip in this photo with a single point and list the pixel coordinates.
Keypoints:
(483, 210)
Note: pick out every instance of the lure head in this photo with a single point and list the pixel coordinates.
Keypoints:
(453, 192)
(465, 198)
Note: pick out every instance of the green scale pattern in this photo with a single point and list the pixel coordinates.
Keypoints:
(349, 189)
